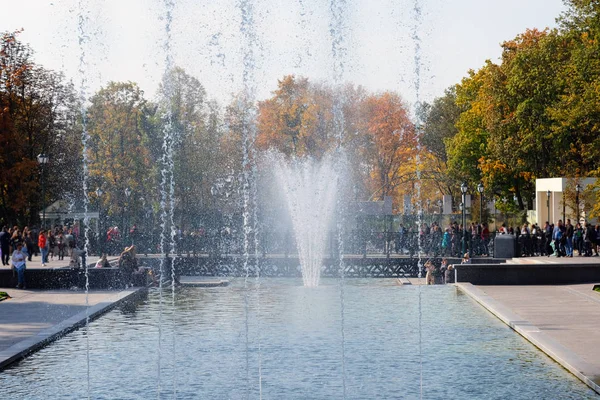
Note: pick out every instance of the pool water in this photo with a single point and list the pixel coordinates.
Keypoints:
(284, 341)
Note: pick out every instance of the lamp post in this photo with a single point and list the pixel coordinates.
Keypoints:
(99, 193)
(577, 190)
(480, 190)
(495, 215)
(548, 205)
(464, 188)
(127, 194)
(43, 160)
(516, 200)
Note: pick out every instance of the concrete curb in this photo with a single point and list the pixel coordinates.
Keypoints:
(30, 345)
(569, 360)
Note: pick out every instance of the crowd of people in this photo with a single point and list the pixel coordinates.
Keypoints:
(51, 243)
(19, 246)
(560, 239)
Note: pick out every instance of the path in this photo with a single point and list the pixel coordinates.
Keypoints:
(555, 260)
(563, 321)
(31, 318)
(36, 262)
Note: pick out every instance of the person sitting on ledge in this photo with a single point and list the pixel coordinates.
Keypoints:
(18, 263)
(466, 259)
(102, 262)
(127, 265)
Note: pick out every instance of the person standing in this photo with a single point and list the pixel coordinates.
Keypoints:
(43, 245)
(578, 239)
(485, 239)
(29, 245)
(5, 245)
(558, 236)
(15, 239)
(60, 242)
(52, 249)
(18, 263)
(430, 268)
(569, 231)
(69, 242)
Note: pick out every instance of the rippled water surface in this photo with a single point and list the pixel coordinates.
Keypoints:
(467, 353)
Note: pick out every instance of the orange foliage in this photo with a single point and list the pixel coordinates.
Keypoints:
(393, 142)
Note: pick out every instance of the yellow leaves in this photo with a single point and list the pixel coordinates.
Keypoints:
(296, 119)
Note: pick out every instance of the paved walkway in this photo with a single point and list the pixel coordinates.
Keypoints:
(36, 262)
(563, 321)
(31, 318)
(555, 260)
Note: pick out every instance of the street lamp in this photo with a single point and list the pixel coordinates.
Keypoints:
(516, 200)
(577, 190)
(99, 193)
(126, 230)
(495, 215)
(480, 190)
(43, 160)
(548, 205)
(464, 188)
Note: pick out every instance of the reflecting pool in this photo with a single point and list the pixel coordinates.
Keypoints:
(284, 341)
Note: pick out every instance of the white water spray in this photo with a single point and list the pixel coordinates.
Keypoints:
(167, 244)
(83, 38)
(418, 21)
(310, 188)
(249, 170)
(337, 29)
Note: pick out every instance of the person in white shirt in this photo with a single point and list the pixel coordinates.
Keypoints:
(18, 263)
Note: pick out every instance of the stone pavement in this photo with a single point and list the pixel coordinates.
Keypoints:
(555, 260)
(36, 262)
(563, 321)
(31, 318)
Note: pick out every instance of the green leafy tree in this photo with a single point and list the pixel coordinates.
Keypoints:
(119, 155)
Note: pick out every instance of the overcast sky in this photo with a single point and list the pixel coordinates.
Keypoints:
(125, 40)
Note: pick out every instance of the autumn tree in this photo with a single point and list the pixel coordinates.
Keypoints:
(39, 114)
(297, 119)
(391, 147)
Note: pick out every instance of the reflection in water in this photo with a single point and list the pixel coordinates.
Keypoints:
(467, 352)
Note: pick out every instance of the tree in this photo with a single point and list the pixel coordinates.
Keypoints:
(118, 151)
(39, 115)
(440, 120)
(297, 119)
(196, 126)
(392, 143)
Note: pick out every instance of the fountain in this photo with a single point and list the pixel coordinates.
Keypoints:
(271, 337)
(310, 187)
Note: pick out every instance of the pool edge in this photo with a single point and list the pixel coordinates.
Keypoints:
(566, 358)
(36, 342)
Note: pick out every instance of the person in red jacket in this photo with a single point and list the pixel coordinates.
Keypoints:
(43, 245)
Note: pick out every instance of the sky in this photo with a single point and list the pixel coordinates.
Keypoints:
(124, 40)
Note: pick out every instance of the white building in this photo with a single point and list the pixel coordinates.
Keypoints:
(549, 199)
